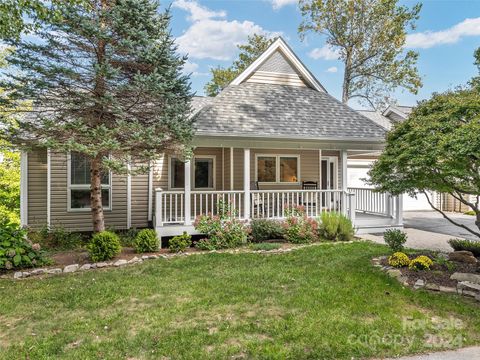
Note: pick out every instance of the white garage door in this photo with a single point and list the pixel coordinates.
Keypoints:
(358, 171)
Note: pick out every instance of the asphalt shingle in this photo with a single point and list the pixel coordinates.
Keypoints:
(253, 109)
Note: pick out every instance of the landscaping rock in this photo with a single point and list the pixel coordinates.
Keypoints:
(145, 257)
(134, 260)
(18, 275)
(467, 285)
(101, 264)
(38, 272)
(85, 267)
(463, 257)
(447, 289)
(70, 268)
(25, 274)
(120, 262)
(395, 273)
(54, 271)
(419, 284)
(473, 278)
(433, 287)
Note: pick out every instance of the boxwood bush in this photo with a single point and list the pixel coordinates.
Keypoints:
(180, 243)
(146, 241)
(104, 245)
(395, 238)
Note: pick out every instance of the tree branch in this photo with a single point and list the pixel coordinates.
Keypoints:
(450, 220)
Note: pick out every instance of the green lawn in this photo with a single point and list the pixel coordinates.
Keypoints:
(323, 301)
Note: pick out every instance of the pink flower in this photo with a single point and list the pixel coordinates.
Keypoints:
(36, 247)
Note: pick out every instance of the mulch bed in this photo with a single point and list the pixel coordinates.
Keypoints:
(439, 274)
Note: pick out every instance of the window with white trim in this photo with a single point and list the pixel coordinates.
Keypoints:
(79, 184)
(278, 168)
(177, 173)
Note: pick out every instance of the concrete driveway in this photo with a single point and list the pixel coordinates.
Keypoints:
(433, 221)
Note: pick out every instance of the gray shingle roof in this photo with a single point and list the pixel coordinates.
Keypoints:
(377, 116)
(266, 110)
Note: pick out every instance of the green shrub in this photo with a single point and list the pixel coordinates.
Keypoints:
(298, 227)
(146, 241)
(335, 227)
(466, 245)
(266, 246)
(395, 238)
(421, 263)
(104, 245)
(470, 212)
(223, 231)
(57, 238)
(15, 250)
(264, 229)
(180, 243)
(398, 259)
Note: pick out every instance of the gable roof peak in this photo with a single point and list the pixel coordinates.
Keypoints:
(280, 45)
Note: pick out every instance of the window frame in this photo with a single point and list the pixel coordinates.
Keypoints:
(192, 172)
(277, 169)
(71, 187)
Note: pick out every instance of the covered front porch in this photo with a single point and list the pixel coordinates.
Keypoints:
(263, 181)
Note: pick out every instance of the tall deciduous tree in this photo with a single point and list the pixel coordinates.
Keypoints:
(436, 149)
(249, 52)
(105, 81)
(369, 37)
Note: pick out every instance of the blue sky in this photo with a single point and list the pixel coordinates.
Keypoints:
(447, 34)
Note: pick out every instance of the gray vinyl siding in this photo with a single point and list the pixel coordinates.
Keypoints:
(115, 218)
(37, 188)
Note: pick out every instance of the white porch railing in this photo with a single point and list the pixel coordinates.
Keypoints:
(372, 202)
(269, 204)
(273, 203)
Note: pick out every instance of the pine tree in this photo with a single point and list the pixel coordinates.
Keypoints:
(105, 81)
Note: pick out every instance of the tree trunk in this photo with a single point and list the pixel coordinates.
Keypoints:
(96, 194)
(346, 79)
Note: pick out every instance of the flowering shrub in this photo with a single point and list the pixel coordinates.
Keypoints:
(298, 227)
(398, 259)
(223, 231)
(421, 263)
(15, 250)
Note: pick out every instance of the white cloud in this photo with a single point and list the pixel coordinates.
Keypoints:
(190, 68)
(197, 11)
(210, 35)
(325, 52)
(332, 69)
(428, 39)
(277, 4)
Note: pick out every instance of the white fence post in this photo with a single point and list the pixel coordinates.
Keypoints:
(188, 192)
(388, 204)
(351, 207)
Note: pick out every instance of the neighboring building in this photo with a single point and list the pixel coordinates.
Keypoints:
(391, 115)
(273, 138)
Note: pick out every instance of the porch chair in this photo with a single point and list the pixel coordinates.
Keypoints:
(310, 185)
(256, 201)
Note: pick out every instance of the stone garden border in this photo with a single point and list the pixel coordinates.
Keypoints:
(467, 284)
(72, 268)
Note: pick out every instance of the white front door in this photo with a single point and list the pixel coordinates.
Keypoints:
(329, 173)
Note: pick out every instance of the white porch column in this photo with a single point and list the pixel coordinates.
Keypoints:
(49, 186)
(150, 191)
(187, 195)
(24, 188)
(344, 180)
(231, 168)
(399, 210)
(352, 204)
(246, 183)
